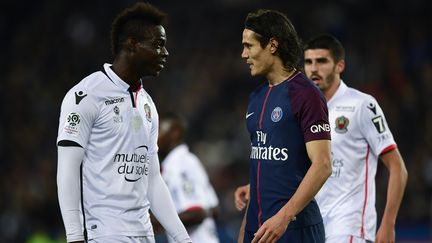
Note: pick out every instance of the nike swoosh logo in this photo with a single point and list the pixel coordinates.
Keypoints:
(248, 115)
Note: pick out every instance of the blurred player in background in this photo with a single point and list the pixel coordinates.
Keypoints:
(287, 120)
(108, 169)
(193, 195)
(360, 135)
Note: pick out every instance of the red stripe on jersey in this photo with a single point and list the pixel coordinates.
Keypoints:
(193, 208)
(362, 233)
(388, 149)
(258, 194)
(351, 239)
(263, 107)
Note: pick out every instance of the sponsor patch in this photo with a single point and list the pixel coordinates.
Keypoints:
(114, 101)
(345, 108)
(72, 124)
(320, 128)
(137, 123)
(276, 114)
(341, 124)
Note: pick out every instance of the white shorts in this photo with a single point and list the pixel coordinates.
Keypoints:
(346, 239)
(123, 239)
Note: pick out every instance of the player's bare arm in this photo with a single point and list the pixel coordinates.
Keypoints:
(398, 176)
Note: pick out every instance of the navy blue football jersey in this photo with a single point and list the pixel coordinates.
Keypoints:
(281, 119)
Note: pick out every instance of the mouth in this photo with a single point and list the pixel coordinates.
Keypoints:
(250, 64)
(161, 64)
(316, 79)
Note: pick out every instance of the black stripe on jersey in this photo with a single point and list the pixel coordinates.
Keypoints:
(106, 74)
(68, 143)
(132, 97)
(129, 89)
(82, 204)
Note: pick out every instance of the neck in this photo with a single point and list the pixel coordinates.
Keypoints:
(123, 70)
(332, 90)
(279, 75)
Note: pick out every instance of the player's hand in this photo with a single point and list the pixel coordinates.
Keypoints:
(241, 197)
(385, 234)
(272, 229)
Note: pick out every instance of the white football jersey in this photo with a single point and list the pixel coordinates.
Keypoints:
(359, 133)
(118, 130)
(190, 187)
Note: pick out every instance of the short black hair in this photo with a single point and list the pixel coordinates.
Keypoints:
(133, 22)
(269, 24)
(328, 42)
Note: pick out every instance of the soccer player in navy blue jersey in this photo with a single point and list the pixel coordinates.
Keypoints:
(287, 119)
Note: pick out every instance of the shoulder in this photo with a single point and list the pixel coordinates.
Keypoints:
(300, 84)
(302, 91)
(359, 97)
(181, 157)
(90, 86)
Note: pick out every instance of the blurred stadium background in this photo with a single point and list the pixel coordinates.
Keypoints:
(47, 46)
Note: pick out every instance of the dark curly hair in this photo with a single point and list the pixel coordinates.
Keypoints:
(269, 24)
(133, 22)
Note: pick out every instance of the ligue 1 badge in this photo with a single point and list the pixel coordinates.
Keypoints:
(341, 124)
(276, 114)
(147, 112)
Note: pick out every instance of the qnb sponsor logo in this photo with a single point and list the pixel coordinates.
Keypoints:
(114, 101)
(320, 128)
(269, 153)
(133, 165)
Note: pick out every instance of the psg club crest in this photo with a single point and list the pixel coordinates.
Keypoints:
(147, 112)
(276, 114)
(341, 124)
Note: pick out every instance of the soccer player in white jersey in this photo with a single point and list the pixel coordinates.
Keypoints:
(108, 168)
(193, 195)
(360, 136)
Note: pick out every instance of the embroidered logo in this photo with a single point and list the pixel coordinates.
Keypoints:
(117, 118)
(372, 107)
(147, 112)
(276, 114)
(341, 124)
(79, 96)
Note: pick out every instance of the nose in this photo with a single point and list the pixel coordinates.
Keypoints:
(313, 67)
(164, 52)
(244, 54)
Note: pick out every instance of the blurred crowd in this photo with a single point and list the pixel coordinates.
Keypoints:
(48, 46)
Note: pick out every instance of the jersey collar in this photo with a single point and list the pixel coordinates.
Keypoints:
(114, 77)
(339, 92)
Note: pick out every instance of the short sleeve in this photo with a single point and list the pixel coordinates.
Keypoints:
(77, 116)
(310, 108)
(374, 127)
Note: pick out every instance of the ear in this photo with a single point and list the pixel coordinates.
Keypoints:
(340, 66)
(274, 44)
(130, 45)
